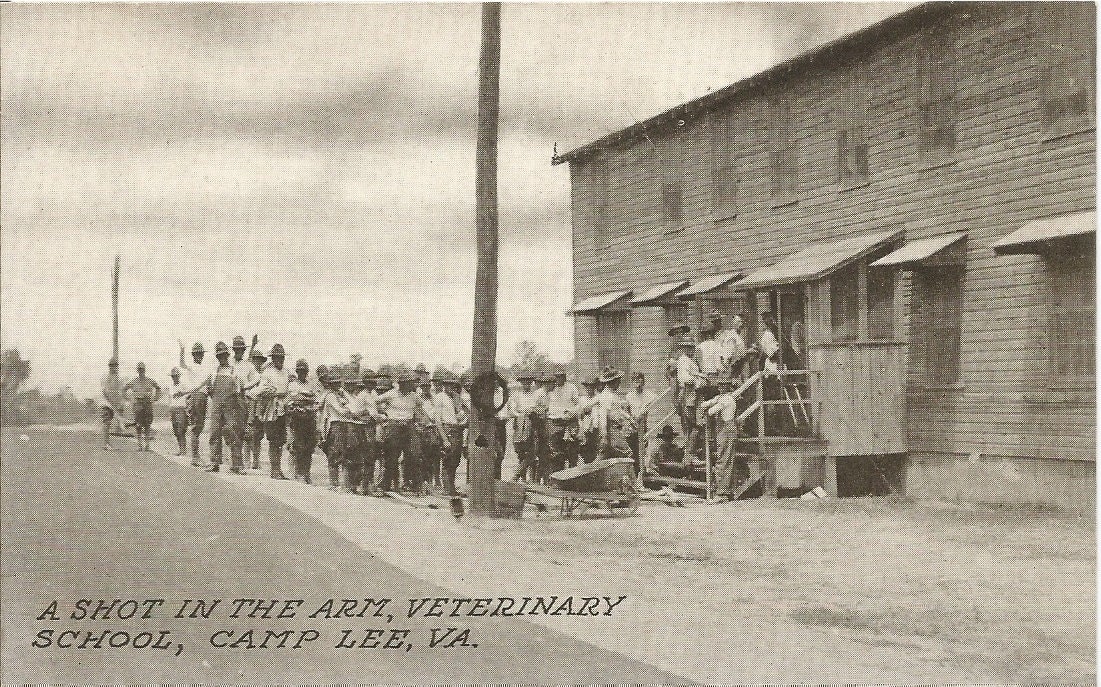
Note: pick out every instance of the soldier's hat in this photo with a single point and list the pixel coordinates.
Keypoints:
(590, 382)
(525, 375)
(445, 377)
(113, 362)
(220, 348)
(680, 330)
(141, 366)
(407, 377)
(384, 380)
(322, 370)
(687, 342)
(277, 351)
(546, 377)
(239, 341)
(257, 353)
(367, 373)
(609, 374)
(714, 315)
(667, 432)
(352, 379)
(198, 347)
(421, 368)
(301, 364)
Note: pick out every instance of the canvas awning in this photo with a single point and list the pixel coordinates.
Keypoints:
(604, 301)
(656, 294)
(1035, 236)
(708, 284)
(939, 250)
(817, 261)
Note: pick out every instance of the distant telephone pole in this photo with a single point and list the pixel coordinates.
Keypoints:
(115, 309)
(483, 360)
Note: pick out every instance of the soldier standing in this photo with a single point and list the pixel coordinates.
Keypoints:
(249, 377)
(145, 392)
(177, 409)
(365, 408)
(271, 408)
(302, 402)
(224, 412)
(523, 407)
(196, 387)
(450, 414)
(253, 427)
(111, 386)
(400, 406)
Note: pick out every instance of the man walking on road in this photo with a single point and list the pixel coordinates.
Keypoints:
(144, 392)
(248, 377)
(562, 401)
(400, 406)
(111, 386)
(302, 402)
(450, 413)
(195, 386)
(253, 427)
(224, 412)
(271, 408)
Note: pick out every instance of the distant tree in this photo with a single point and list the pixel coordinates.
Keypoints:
(354, 362)
(529, 357)
(14, 370)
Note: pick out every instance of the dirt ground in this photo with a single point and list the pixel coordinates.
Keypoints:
(840, 590)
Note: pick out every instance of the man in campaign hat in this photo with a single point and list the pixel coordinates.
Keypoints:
(723, 409)
(524, 407)
(177, 409)
(687, 379)
(450, 413)
(144, 392)
(271, 404)
(252, 427)
(248, 376)
(196, 380)
(303, 397)
(400, 406)
(224, 390)
(664, 450)
(111, 386)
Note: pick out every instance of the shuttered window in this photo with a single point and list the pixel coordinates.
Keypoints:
(1072, 329)
(1067, 52)
(852, 143)
(724, 169)
(613, 330)
(941, 316)
(783, 158)
(936, 103)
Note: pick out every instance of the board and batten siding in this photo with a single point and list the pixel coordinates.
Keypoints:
(1006, 170)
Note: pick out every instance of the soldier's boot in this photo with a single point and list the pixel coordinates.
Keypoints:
(195, 450)
(275, 457)
(347, 485)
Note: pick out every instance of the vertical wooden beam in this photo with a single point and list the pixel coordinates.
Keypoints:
(483, 358)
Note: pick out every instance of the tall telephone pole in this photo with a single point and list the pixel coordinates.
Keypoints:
(483, 359)
(115, 309)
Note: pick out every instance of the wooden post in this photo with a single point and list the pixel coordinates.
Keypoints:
(115, 309)
(483, 359)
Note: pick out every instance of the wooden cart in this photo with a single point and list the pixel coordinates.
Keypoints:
(601, 484)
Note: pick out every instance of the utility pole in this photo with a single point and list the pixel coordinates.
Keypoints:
(483, 359)
(115, 309)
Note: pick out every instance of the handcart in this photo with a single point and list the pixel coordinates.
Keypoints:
(601, 484)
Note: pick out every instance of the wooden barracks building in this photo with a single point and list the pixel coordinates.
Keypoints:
(920, 195)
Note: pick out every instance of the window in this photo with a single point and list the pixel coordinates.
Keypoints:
(1067, 54)
(672, 189)
(852, 144)
(941, 314)
(724, 170)
(613, 332)
(881, 303)
(784, 163)
(936, 105)
(1072, 332)
(845, 303)
(676, 315)
(598, 179)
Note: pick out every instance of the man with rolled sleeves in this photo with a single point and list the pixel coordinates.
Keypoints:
(400, 407)
(253, 426)
(144, 392)
(450, 413)
(562, 401)
(364, 409)
(196, 381)
(271, 407)
(177, 410)
(524, 408)
(248, 377)
(225, 413)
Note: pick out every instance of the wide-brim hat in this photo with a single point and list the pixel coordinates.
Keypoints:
(445, 377)
(220, 348)
(301, 364)
(198, 348)
(407, 377)
(668, 431)
(257, 353)
(277, 351)
(590, 381)
(680, 330)
(609, 374)
(239, 341)
(546, 378)
(529, 376)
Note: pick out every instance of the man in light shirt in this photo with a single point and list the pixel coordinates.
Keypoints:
(724, 409)
(773, 386)
(144, 392)
(111, 386)
(303, 397)
(450, 413)
(734, 349)
(688, 377)
(271, 407)
(177, 409)
(400, 406)
(639, 401)
(523, 407)
(224, 392)
(195, 380)
(253, 426)
(612, 417)
(562, 399)
(248, 377)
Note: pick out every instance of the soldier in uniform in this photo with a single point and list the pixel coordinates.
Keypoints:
(196, 387)
(249, 377)
(400, 406)
(303, 397)
(224, 390)
(271, 408)
(111, 386)
(252, 425)
(524, 407)
(144, 392)
(431, 437)
(451, 414)
(364, 406)
(177, 408)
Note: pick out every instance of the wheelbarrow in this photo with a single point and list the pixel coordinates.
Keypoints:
(601, 484)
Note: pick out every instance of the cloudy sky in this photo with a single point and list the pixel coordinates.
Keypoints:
(305, 171)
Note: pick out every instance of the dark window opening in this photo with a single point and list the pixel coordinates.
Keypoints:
(845, 303)
(881, 303)
(940, 320)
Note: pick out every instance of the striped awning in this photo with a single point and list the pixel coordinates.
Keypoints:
(1035, 236)
(601, 302)
(817, 261)
(708, 284)
(659, 292)
(923, 251)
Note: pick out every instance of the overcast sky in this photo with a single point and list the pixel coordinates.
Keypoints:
(305, 172)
